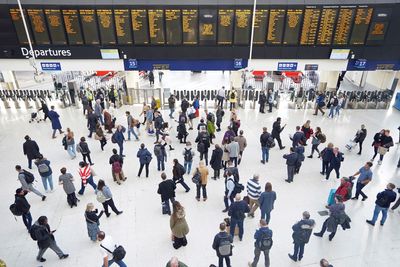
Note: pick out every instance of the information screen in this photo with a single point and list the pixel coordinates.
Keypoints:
(189, 26)
(139, 26)
(106, 26)
(156, 26)
(56, 27)
(123, 26)
(225, 26)
(173, 26)
(208, 26)
(242, 26)
(292, 29)
(275, 26)
(379, 25)
(39, 29)
(343, 25)
(72, 27)
(361, 24)
(260, 26)
(89, 26)
(310, 26)
(327, 25)
(19, 25)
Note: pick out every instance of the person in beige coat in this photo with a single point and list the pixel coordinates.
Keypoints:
(178, 225)
(225, 156)
(203, 170)
(242, 144)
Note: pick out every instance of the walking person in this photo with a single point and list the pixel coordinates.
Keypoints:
(55, 122)
(221, 97)
(92, 221)
(319, 103)
(270, 97)
(232, 99)
(291, 162)
(317, 138)
(109, 121)
(210, 125)
(219, 114)
(178, 171)
(377, 143)
(360, 137)
(203, 171)
(222, 244)
(253, 192)
(171, 105)
(216, 161)
(116, 162)
(26, 179)
(158, 124)
(108, 246)
(335, 163)
(234, 150)
(92, 121)
(266, 202)
(326, 156)
(131, 126)
(45, 173)
(23, 207)
(386, 143)
(167, 191)
(144, 159)
(31, 150)
(301, 235)
(104, 196)
(307, 130)
(67, 181)
(45, 110)
(86, 173)
(241, 140)
(70, 143)
(263, 243)
(298, 138)
(203, 144)
(182, 132)
(267, 142)
(188, 155)
(161, 155)
(333, 103)
(178, 225)
(365, 176)
(382, 203)
(229, 190)
(262, 100)
(83, 148)
(151, 78)
(276, 132)
(98, 111)
(237, 212)
(99, 135)
(119, 138)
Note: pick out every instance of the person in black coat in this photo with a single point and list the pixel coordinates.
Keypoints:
(360, 137)
(335, 162)
(216, 161)
(91, 122)
(222, 237)
(276, 132)
(178, 171)
(167, 191)
(203, 144)
(326, 156)
(301, 235)
(298, 137)
(262, 100)
(45, 110)
(377, 142)
(31, 150)
(291, 162)
(22, 206)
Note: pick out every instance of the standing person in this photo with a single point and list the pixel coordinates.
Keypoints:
(188, 155)
(222, 244)
(219, 114)
(45, 172)
(31, 150)
(196, 105)
(241, 140)
(91, 123)
(262, 100)
(119, 138)
(92, 221)
(161, 155)
(298, 138)
(266, 202)
(319, 103)
(307, 130)
(386, 143)
(70, 143)
(149, 121)
(270, 97)
(83, 148)
(335, 163)
(184, 105)
(191, 114)
(211, 125)
(26, 179)
(326, 155)
(221, 97)
(178, 225)
(203, 144)
(55, 122)
(364, 179)
(107, 247)
(160, 74)
(263, 243)
(158, 124)
(144, 111)
(360, 137)
(182, 132)
(382, 203)
(144, 159)
(104, 196)
(291, 162)
(98, 111)
(45, 239)
(171, 105)
(131, 126)
(253, 192)
(167, 191)
(86, 173)
(45, 110)
(151, 78)
(229, 190)
(203, 171)
(67, 181)
(178, 171)
(216, 161)
(232, 99)
(334, 102)
(23, 207)
(317, 138)
(237, 212)
(377, 142)
(99, 135)
(234, 150)
(109, 121)
(116, 162)
(301, 235)
(276, 132)
(112, 95)
(266, 143)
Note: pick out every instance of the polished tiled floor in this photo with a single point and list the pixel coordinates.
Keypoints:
(145, 233)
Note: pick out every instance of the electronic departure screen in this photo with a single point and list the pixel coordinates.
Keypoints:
(310, 26)
(379, 24)
(123, 26)
(72, 27)
(39, 29)
(361, 24)
(156, 26)
(189, 26)
(19, 25)
(56, 26)
(327, 25)
(225, 26)
(292, 29)
(343, 25)
(173, 26)
(139, 25)
(89, 26)
(260, 26)
(208, 26)
(106, 26)
(242, 26)
(275, 26)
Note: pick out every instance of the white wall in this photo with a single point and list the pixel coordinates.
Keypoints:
(381, 79)
(323, 64)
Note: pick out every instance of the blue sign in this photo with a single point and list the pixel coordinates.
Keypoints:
(131, 64)
(238, 63)
(50, 66)
(311, 67)
(287, 66)
(364, 65)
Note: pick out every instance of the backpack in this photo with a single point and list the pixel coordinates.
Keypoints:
(382, 201)
(265, 242)
(116, 167)
(196, 179)
(100, 197)
(188, 155)
(64, 142)
(43, 168)
(32, 232)
(238, 187)
(225, 247)
(303, 235)
(232, 96)
(182, 170)
(118, 253)
(211, 117)
(335, 102)
(322, 137)
(113, 139)
(270, 142)
(14, 210)
(201, 147)
(157, 151)
(29, 178)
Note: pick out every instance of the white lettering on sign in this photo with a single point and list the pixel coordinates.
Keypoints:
(46, 52)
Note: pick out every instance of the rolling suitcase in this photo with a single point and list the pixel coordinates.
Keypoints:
(331, 197)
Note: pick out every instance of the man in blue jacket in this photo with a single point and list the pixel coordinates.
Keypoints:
(301, 235)
(298, 137)
(144, 159)
(291, 162)
(119, 139)
(237, 212)
(382, 203)
(263, 243)
(223, 246)
(320, 103)
(335, 163)
(326, 156)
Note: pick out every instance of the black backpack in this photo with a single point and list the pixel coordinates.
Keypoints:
(118, 253)
(29, 178)
(335, 102)
(270, 142)
(33, 230)
(188, 155)
(14, 210)
(382, 201)
(265, 242)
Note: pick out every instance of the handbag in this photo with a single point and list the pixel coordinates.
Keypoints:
(118, 253)
(382, 150)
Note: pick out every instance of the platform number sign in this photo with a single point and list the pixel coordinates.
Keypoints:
(360, 64)
(238, 63)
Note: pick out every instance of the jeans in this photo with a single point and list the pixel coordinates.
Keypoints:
(234, 160)
(132, 130)
(182, 182)
(265, 153)
(47, 179)
(141, 168)
(359, 191)
(121, 149)
(30, 163)
(377, 210)
(88, 181)
(120, 263)
(203, 187)
(231, 199)
(171, 112)
(325, 166)
(87, 156)
(221, 261)
(331, 111)
(298, 250)
(188, 166)
(71, 151)
(232, 227)
(166, 202)
(220, 101)
(337, 110)
(290, 171)
(332, 168)
(205, 156)
(265, 215)
(160, 163)
(53, 246)
(257, 253)
(27, 219)
(110, 203)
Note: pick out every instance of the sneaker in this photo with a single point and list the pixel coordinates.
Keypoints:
(310, 157)
(197, 198)
(119, 212)
(318, 234)
(42, 259)
(370, 222)
(43, 198)
(225, 210)
(64, 256)
(364, 198)
(354, 198)
(381, 223)
(288, 181)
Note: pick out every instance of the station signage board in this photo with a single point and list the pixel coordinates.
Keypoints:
(287, 66)
(50, 66)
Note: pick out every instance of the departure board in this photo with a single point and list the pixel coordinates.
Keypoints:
(139, 26)
(89, 26)
(260, 26)
(189, 26)
(327, 25)
(106, 26)
(123, 26)
(19, 25)
(242, 26)
(39, 28)
(343, 25)
(56, 27)
(294, 17)
(156, 26)
(225, 26)
(173, 26)
(275, 26)
(361, 24)
(310, 26)
(208, 26)
(71, 22)
(379, 25)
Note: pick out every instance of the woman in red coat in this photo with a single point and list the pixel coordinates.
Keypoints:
(306, 129)
(343, 189)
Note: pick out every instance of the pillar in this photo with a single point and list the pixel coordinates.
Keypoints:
(9, 80)
(330, 78)
(235, 79)
(132, 82)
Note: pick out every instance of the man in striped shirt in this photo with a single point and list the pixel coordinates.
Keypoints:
(253, 192)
